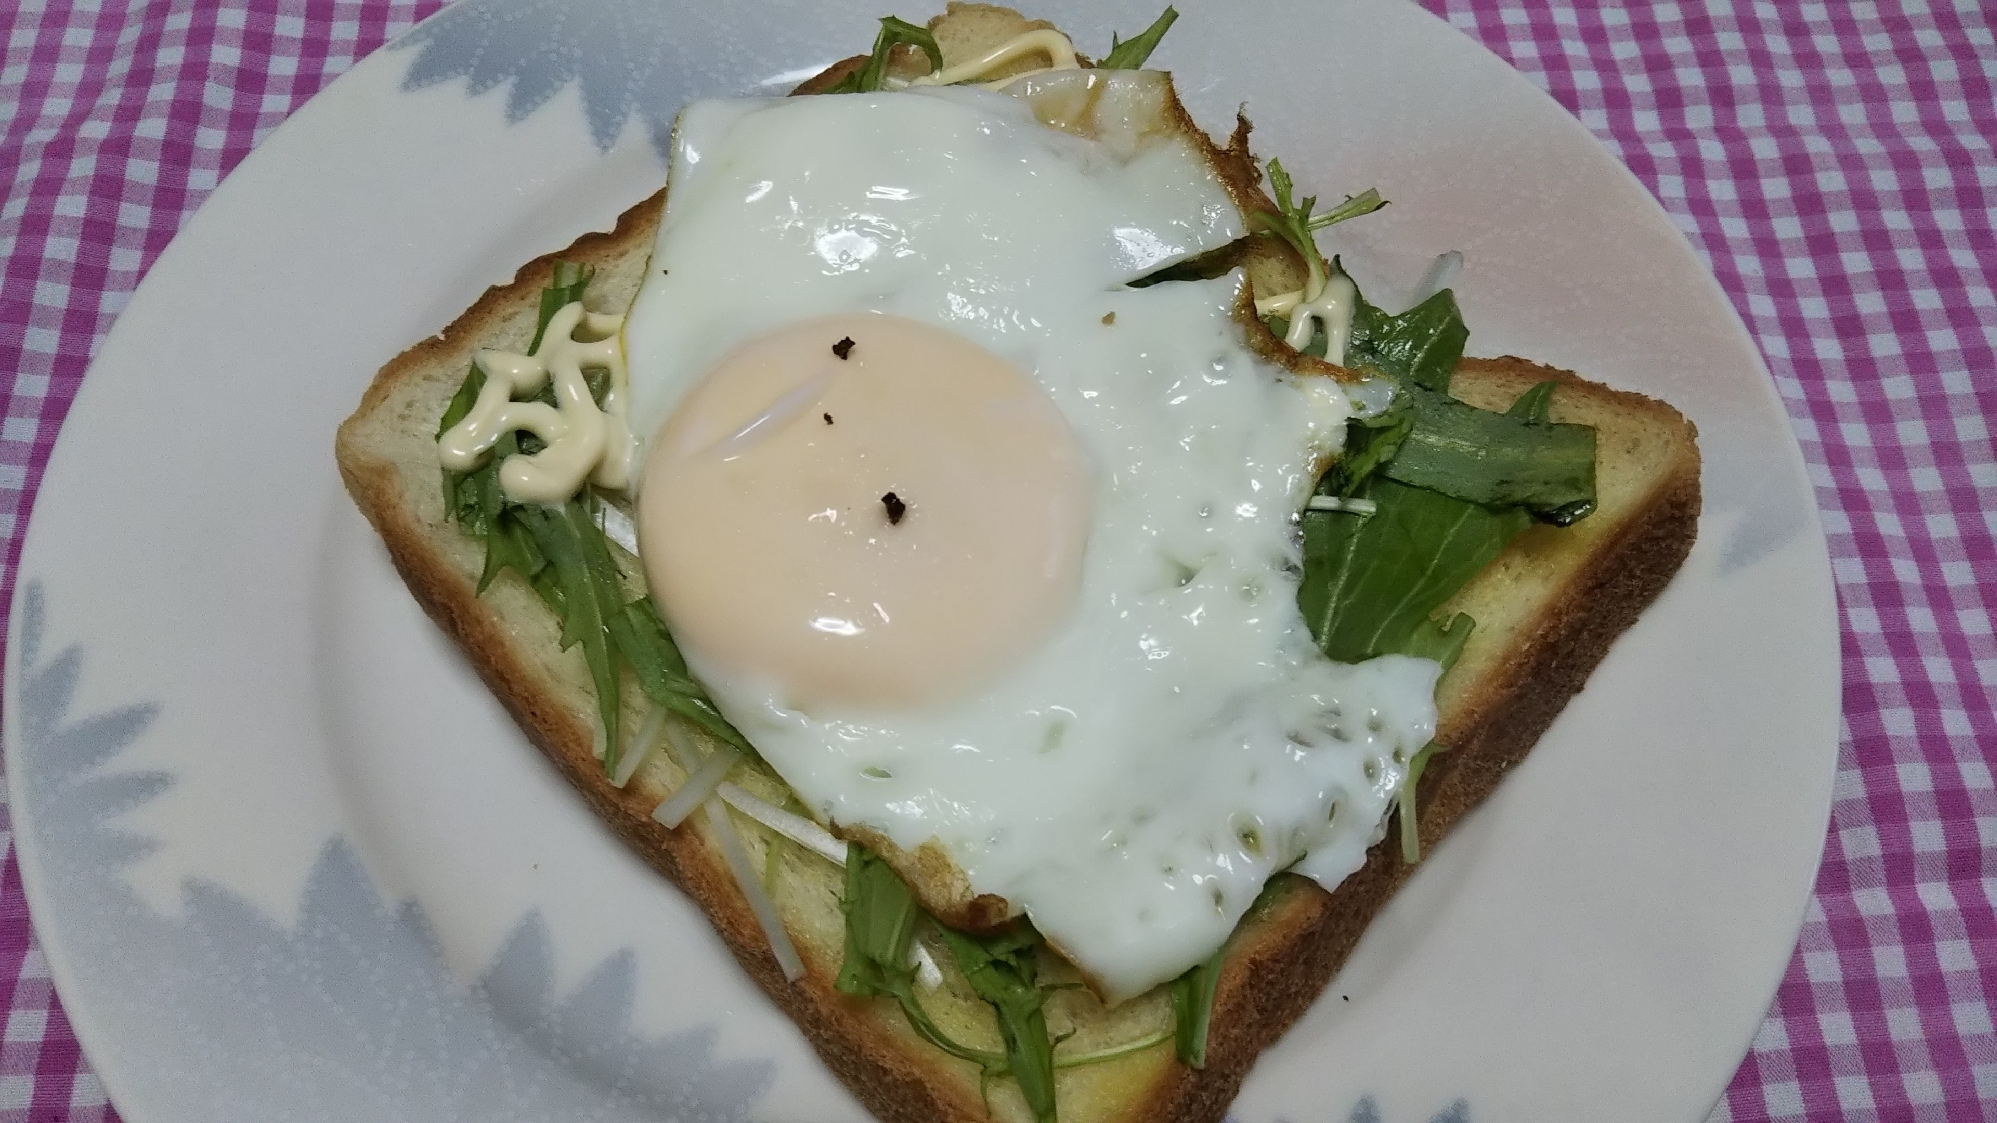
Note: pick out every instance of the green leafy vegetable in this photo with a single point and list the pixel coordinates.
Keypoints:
(661, 671)
(1366, 202)
(1429, 439)
(508, 543)
(1114, 1052)
(1370, 584)
(1294, 223)
(1495, 459)
(1001, 971)
(1405, 803)
(461, 402)
(1441, 640)
(1421, 346)
(1535, 404)
(475, 498)
(1192, 1009)
(584, 618)
(894, 32)
(564, 288)
(881, 914)
(1450, 485)
(561, 552)
(1291, 223)
(881, 917)
(1130, 54)
(1193, 992)
(1370, 442)
(1206, 266)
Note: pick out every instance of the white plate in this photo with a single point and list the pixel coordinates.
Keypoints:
(291, 861)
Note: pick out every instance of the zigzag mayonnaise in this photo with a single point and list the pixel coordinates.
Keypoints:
(584, 442)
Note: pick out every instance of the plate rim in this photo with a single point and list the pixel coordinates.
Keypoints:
(28, 844)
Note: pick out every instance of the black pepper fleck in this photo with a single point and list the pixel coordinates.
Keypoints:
(844, 347)
(828, 419)
(896, 508)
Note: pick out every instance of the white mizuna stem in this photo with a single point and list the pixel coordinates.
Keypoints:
(1282, 304)
(640, 747)
(752, 889)
(618, 527)
(700, 784)
(1441, 272)
(1112, 1053)
(797, 828)
(1334, 503)
(683, 751)
(926, 971)
(732, 850)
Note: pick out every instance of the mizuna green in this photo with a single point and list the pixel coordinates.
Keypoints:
(1444, 487)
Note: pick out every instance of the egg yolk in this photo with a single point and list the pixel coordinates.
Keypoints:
(866, 510)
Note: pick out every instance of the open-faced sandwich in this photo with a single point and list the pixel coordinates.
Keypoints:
(965, 534)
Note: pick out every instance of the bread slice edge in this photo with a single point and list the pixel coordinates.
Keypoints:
(1282, 958)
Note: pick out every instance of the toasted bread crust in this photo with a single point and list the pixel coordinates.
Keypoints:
(896, 1080)
(1277, 968)
(1284, 954)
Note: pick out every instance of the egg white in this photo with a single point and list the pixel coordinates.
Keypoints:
(1179, 739)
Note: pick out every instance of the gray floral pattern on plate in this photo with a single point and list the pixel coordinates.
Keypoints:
(626, 57)
(351, 1014)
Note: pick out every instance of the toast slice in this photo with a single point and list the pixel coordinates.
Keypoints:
(1547, 610)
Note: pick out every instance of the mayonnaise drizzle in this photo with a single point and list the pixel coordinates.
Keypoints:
(1331, 305)
(584, 442)
(1058, 48)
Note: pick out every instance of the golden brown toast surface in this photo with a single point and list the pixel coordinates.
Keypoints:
(1547, 610)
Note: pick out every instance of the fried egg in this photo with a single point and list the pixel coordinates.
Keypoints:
(978, 545)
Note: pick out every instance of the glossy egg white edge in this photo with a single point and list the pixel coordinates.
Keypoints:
(1179, 739)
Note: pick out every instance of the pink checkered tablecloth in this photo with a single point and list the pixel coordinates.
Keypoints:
(1832, 162)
